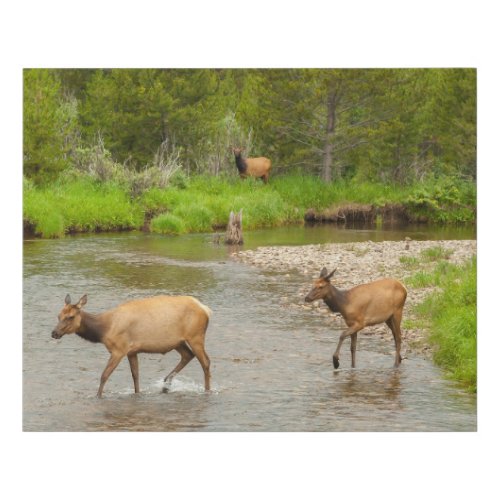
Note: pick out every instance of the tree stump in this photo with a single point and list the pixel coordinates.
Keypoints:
(234, 232)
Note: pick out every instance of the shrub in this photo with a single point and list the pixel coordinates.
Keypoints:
(196, 216)
(168, 224)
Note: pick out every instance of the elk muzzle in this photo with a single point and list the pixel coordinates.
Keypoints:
(58, 331)
(311, 296)
(56, 334)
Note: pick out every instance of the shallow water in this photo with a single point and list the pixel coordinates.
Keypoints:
(271, 363)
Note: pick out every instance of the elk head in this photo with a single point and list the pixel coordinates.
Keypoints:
(320, 286)
(69, 317)
(237, 151)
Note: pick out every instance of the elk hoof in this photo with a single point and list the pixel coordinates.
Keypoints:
(336, 363)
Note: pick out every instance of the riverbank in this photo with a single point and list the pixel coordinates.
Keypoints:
(78, 203)
(412, 262)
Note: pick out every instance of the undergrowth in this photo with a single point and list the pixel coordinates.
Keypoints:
(451, 315)
(80, 203)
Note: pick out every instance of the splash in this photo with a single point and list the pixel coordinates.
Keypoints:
(183, 385)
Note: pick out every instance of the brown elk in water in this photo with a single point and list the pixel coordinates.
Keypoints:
(252, 167)
(364, 305)
(152, 325)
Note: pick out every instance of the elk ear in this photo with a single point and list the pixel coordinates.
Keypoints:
(82, 302)
(330, 275)
(67, 300)
(323, 273)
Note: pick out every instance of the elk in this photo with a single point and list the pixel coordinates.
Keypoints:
(252, 167)
(151, 325)
(364, 305)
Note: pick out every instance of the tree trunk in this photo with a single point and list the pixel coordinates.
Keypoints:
(326, 172)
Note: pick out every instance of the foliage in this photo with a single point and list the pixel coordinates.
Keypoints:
(168, 224)
(82, 201)
(452, 314)
(49, 126)
(370, 125)
(79, 205)
(96, 162)
(136, 110)
(438, 198)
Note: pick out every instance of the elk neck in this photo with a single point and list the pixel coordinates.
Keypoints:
(92, 327)
(241, 164)
(335, 299)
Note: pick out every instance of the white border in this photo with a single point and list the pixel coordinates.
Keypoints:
(251, 34)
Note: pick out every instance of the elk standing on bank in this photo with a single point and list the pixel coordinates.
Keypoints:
(252, 167)
(151, 325)
(364, 305)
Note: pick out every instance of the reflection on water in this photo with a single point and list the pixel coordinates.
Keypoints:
(271, 364)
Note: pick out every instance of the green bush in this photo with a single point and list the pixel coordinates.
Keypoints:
(168, 224)
(447, 199)
(195, 215)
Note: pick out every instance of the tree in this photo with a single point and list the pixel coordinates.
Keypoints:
(49, 125)
(426, 127)
(314, 117)
(136, 110)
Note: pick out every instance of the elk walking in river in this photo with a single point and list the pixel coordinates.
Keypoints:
(152, 325)
(364, 305)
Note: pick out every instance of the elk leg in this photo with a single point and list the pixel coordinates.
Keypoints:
(201, 355)
(343, 335)
(354, 338)
(186, 356)
(113, 362)
(134, 368)
(394, 324)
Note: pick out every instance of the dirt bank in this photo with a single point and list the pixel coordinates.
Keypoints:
(358, 263)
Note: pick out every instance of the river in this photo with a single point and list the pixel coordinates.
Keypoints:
(271, 364)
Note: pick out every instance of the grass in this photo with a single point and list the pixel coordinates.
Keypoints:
(168, 224)
(451, 315)
(442, 272)
(409, 262)
(434, 254)
(80, 206)
(200, 204)
(421, 279)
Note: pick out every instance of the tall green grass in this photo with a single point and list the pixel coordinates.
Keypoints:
(201, 203)
(80, 206)
(206, 204)
(452, 316)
